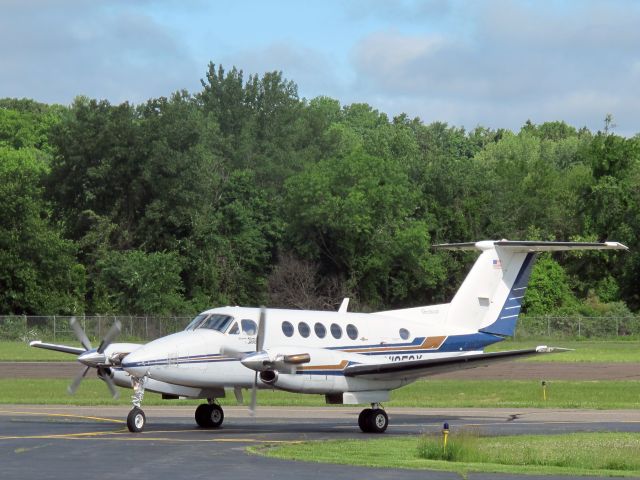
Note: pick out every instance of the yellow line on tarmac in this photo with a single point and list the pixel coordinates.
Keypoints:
(67, 415)
(110, 436)
(55, 435)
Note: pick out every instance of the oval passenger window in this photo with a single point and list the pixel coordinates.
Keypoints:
(320, 330)
(304, 329)
(287, 329)
(336, 331)
(352, 332)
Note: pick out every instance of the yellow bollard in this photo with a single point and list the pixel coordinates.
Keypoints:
(445, 436)
(544, 390)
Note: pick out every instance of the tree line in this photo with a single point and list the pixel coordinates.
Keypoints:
(244, 193)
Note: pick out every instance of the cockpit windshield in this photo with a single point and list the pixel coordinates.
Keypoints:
(213, 321)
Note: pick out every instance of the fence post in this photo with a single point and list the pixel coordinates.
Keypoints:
(54, 328)
(579, 324)
(548, 326)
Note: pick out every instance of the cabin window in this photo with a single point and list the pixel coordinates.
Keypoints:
(235, 330)
(287, 329)
(320, 330)
(249, 327)
(304, 329)
(336, 330)
(404, 333)
(352, 332)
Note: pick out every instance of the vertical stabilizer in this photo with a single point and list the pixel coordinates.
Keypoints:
(490, 298)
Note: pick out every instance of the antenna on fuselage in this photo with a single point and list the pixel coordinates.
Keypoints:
(344, 305)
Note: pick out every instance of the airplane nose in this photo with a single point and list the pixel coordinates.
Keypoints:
(136, 363)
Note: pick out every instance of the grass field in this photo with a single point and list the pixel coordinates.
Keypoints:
(425, 393)
(602, 351)
(584, 351)
(605, 454)
(22, 352)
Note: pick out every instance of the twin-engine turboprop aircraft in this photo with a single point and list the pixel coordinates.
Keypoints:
(350, 358)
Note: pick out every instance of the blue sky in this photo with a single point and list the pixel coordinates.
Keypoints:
(494, 63)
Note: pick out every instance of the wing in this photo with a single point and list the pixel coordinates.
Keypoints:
(424, 368)
(57, 348)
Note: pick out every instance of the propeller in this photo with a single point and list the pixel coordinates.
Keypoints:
(262, 360)
(259, 345)
(95, 357)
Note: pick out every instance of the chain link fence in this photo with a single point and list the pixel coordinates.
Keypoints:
(577, 327)
(56, 328)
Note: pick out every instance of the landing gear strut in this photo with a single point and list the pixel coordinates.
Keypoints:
(209, 415)
(373, 420)
(136, 419)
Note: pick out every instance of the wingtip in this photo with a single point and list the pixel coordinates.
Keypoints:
(546, 349)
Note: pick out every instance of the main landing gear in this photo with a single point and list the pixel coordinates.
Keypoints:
(209, 415)
(373, 420)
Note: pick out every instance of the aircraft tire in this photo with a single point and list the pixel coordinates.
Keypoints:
(216, 416)
(136, 420)
(203, 416)
(364, 420)
(378, 421)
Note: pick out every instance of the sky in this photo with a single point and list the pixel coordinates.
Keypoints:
(493, 63)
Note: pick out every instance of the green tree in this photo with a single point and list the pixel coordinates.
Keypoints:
(39, 273)
(136, 282)
(354, 216)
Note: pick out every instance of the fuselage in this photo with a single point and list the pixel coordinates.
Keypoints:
(333, 340)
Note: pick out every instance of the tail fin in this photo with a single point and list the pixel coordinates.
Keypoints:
(490, 298)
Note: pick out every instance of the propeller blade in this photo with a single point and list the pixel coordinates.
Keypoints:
(111, 334)
(254, 396)
(102, 373)
(80, 335)
(227, 351)
(261, 328)
(76, 381)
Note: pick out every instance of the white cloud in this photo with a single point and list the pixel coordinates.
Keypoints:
(63, 49)
(519, 61)
(310, 69)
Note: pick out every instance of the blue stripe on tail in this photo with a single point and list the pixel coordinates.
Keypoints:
(505, 325)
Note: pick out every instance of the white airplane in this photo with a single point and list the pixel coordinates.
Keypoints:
(350, 358)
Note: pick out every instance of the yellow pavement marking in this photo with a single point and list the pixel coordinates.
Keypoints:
(120, 433)
(67, 415)
(140, 438)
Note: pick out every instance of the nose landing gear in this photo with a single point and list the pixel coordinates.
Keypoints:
(373, 420)
(136, 419)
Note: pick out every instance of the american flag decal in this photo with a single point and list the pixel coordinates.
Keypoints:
(497, 264)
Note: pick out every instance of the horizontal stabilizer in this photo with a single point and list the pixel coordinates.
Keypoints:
(531, 246)
(423, 368)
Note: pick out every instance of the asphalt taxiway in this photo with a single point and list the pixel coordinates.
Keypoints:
(49, 442)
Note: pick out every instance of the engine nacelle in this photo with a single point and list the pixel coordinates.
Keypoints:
(270, 377)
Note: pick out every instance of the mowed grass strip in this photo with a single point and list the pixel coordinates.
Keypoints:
(598, 351)
(22, 352)
(603, 454)
(424, 393)
(594, 351)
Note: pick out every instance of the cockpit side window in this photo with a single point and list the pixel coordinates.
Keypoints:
(196, 321)
(217, 322)
(235, 330)
(249, 327)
